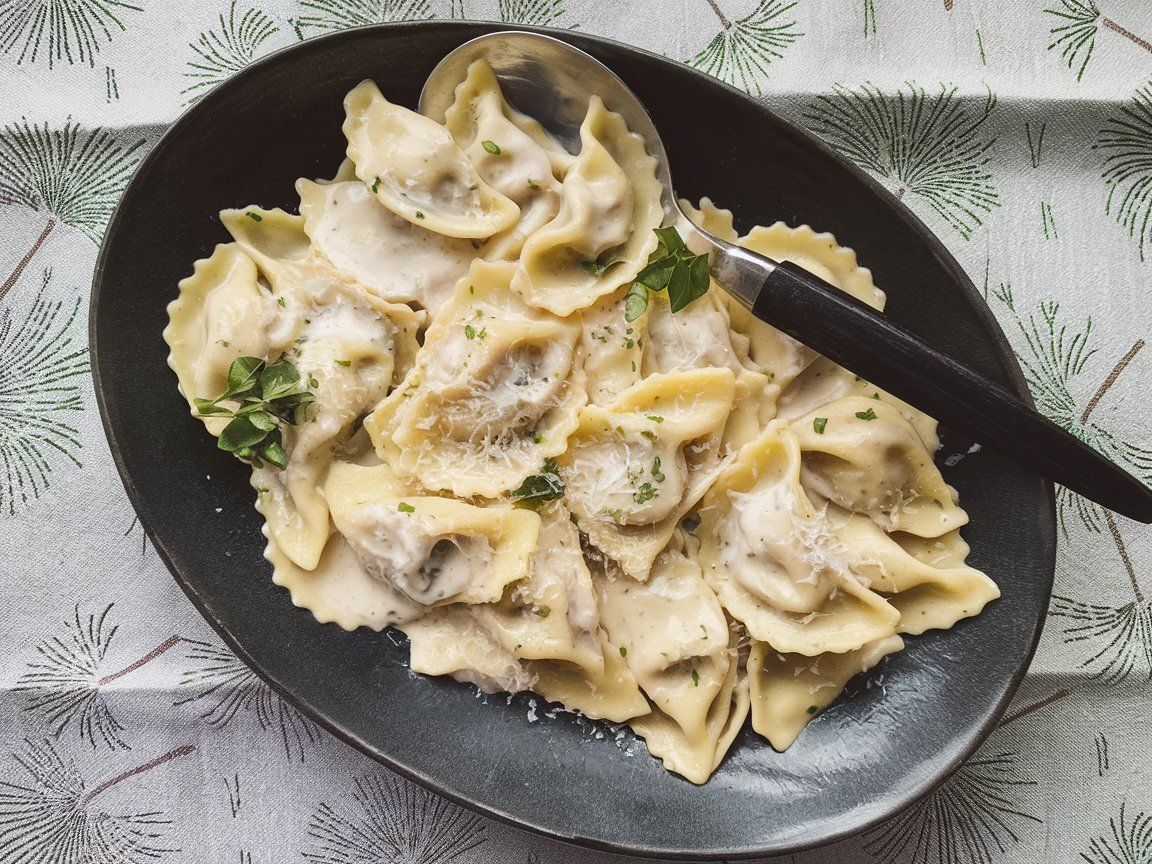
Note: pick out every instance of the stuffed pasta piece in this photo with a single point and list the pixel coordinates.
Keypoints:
(495, 392)
(544, 634)
(602, 235)
(676, 640)
(635, 468)
(511, 152)
(415, 169)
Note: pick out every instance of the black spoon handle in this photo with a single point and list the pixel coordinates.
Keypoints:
(862, 340)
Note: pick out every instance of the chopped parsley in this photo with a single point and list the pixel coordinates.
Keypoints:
(533, 185)
(542, 610)
(695, 678)
(405, 507)
(645, 493)
(491, 147)
(657, 474)
(655, 418)
(375, 185)
(344, 363)
(623, 651)
(419, 214)
(866, 415)
(255, 217)
(537, 438)
(819, 424)
(704, 630)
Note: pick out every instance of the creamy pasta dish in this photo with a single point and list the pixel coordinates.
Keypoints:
(483, 404)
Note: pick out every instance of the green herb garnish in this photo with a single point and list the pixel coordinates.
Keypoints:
(595, 268)
(819, 424)
(269, 397)
(695, 678)
(635, 301)
(546, 485)
(255, 217)
(405, 507)
(866, 415)
(469, 332)
(623, 651)
(344, 363)
(533, 185)
(375, 185)
(491, 147)
(280, 302)
(419, 214)
(655, 418)
(645, 493)
(543, 611)
(673, 267)
(657, 474)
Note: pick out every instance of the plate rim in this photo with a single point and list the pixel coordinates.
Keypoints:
(1045, 515)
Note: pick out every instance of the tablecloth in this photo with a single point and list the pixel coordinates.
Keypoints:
(1020, 131)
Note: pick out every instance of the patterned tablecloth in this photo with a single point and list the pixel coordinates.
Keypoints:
(1021, 130)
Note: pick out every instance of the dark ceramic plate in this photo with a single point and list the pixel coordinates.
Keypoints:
(871, 754)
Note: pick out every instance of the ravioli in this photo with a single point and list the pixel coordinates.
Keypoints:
(602, 235)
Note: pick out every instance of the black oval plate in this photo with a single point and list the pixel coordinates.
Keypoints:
(869, 755)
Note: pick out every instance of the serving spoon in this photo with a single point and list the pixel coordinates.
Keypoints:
(552, 81)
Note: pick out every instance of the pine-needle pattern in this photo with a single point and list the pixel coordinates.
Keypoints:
(1127, 142)
(742, 51)
(65, 685)
(970, 818)
(1126, 843)
(389, 819)
(1054, 357)
(537, 13)
(329, 15)
(42, 360)
(72, 31)
(931, 147)
(51, 816)
(226, 49)
(1075, 29)
(74, 177)
(228, 688)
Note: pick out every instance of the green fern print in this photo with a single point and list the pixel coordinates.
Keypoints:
(1054, 358)
(1127, 142)
(42, 359)
(74, 178)
(927, 146)
(1077, 23)
(742, 51)
(327, 15)
(536, 13)
(72, 31)
(225, 50)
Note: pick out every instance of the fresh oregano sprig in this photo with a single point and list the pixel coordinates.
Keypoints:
(672, 266)
(269, 397)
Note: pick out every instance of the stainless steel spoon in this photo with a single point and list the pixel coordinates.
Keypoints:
(552, 81)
